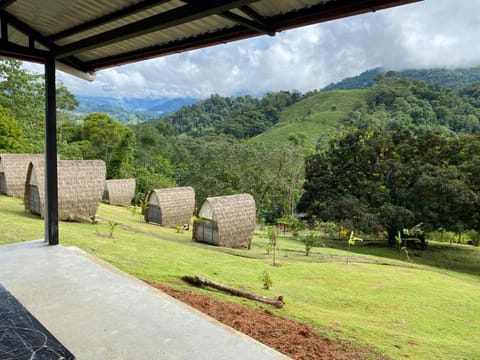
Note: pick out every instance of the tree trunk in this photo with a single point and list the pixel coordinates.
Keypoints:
(200, 281)
(392, 233)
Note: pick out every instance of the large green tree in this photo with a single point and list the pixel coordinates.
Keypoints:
(12, 139)
(392, 179)
(108, 140)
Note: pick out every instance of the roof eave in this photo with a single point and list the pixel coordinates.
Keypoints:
(309, 16)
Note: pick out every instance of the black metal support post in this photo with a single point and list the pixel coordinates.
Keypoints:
(51, 181)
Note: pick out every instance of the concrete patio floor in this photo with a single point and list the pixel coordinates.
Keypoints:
(100, 312)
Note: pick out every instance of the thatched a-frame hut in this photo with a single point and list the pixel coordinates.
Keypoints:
(227, 221)
(170, 206)
(80, 188)
(119, 191)
(13, 172)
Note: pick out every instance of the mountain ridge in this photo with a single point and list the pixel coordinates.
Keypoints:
(129, 110)
(452, 78)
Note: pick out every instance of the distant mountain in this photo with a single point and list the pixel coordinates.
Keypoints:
(452, 78)
(130, 110)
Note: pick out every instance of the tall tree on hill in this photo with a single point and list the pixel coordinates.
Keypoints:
(22, 93)
(110, 141)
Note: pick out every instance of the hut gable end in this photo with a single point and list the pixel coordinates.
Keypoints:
(13, 172)
(170, 206)
(231, 221)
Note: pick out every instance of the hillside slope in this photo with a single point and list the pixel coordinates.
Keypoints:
(314, 117)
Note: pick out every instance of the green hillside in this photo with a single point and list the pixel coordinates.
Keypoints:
(313, 117)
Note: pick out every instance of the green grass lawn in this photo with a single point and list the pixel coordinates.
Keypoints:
(425, 309)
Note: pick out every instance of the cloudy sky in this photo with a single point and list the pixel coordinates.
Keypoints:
(432, 33)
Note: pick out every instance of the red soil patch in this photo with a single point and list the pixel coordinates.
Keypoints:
(286, 336)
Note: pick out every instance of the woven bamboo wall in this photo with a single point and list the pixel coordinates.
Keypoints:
(80, 187)
(120, 191)
(176, 204)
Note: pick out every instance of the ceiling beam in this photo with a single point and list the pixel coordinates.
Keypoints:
(254, 25)
(24, 28)
(196, 42)
(35, 36)
(6, 3)
(12, 50)
(117, 15)
(248, 23)
(332, 11)
(174, 17)
(247, 10)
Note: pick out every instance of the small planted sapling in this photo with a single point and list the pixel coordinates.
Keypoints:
(273, 242)
(133, 209)
(267, 280)
(144, 205)
(111, 226)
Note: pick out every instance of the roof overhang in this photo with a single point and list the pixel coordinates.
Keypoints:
(85, 36)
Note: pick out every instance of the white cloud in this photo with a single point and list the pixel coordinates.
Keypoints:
(433, 33)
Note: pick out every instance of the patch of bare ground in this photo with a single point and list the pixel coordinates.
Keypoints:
(294, 339)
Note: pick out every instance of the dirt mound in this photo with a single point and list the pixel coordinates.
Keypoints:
(289, 337)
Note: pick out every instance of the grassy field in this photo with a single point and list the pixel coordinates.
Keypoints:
(427, 308)
(314, 117)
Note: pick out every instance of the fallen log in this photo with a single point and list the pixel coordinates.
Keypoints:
(276, 301)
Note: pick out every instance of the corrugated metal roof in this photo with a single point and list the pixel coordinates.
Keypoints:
(93, 34)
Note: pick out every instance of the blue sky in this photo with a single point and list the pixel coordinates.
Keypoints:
(432, 33)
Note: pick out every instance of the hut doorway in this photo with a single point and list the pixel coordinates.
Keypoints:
(153, 214)
(207, 231)
(3, 183)
(32, 196)
(34, 200)
(105, 196)
(3, 180)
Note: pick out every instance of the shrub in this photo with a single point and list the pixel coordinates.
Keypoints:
(311, 240)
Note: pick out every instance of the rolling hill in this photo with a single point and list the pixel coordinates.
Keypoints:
(314, 117)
